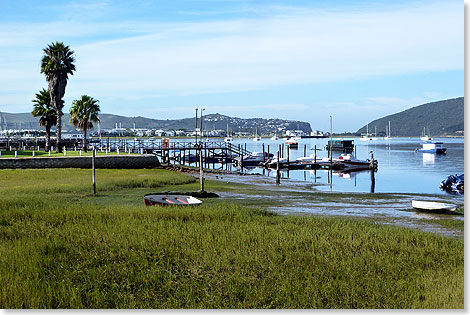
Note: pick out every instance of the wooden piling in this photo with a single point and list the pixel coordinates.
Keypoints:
(278, 173)
(264, 160)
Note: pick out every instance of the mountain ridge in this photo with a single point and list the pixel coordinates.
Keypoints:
(440, 118)
(210, 122)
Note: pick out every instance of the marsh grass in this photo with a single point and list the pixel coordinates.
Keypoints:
(61, 247)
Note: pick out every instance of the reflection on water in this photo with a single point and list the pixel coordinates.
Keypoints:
(401, 167)
(428, 158)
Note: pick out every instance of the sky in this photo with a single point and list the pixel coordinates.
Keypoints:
(301, 60)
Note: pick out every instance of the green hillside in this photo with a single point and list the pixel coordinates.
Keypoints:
(442, 118)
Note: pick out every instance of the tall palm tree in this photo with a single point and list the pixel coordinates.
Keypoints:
(57, 64)
(82, 113)
(47, 114)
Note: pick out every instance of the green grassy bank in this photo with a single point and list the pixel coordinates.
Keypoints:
(62, 247)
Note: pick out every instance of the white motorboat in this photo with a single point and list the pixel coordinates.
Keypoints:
(274, 138)
(433, 147)
(228, 139)
(433, 206)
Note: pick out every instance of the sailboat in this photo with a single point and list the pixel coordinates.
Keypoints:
(426, 137)
(388, 137)
(228, 138)
(367, 136)
(256, 138)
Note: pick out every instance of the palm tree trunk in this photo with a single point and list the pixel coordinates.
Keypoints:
(84, 140)
(59, 132)
(48, 138)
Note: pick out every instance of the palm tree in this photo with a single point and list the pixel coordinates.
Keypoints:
(57, 64)
(82, 113)
(47, 114)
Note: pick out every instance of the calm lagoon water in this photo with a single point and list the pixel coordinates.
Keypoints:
(401, 168)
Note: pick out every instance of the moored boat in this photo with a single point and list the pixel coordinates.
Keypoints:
(453, 183)
(433, 147)
(170, 200)
(292, 143)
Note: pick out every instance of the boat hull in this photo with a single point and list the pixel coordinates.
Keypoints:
(170, 200)
(437, 151)
(432, 206)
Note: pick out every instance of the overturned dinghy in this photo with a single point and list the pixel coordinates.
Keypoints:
(433, 206)
(170, 200)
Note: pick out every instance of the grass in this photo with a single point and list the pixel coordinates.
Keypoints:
(29, 153)
(62, 247)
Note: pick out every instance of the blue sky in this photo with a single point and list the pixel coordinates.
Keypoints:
(302, 60)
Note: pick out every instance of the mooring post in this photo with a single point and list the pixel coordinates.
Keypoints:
(288, 153)
(93, 168)
(282, 150)
(372, 181)
(201, 178)
(315, 154)
(371, 165)
(264, 160)
(278, 173)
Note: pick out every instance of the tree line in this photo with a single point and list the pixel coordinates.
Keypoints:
(57, 64)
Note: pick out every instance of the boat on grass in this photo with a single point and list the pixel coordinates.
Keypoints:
(170, 200)
(433, 206)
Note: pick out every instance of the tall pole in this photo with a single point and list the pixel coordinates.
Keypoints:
(201, 175)
(93, 167)
(331, 140)
(202, 130)
(195, 120)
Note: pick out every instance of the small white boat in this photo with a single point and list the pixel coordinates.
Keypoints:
(256, 138)
(274, 138)
(228, 139)
(173, 200)
(433, 206)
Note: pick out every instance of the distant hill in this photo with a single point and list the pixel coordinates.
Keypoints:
(210, 122)
(443, 118)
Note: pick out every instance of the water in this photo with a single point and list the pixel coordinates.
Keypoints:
(401, 169)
